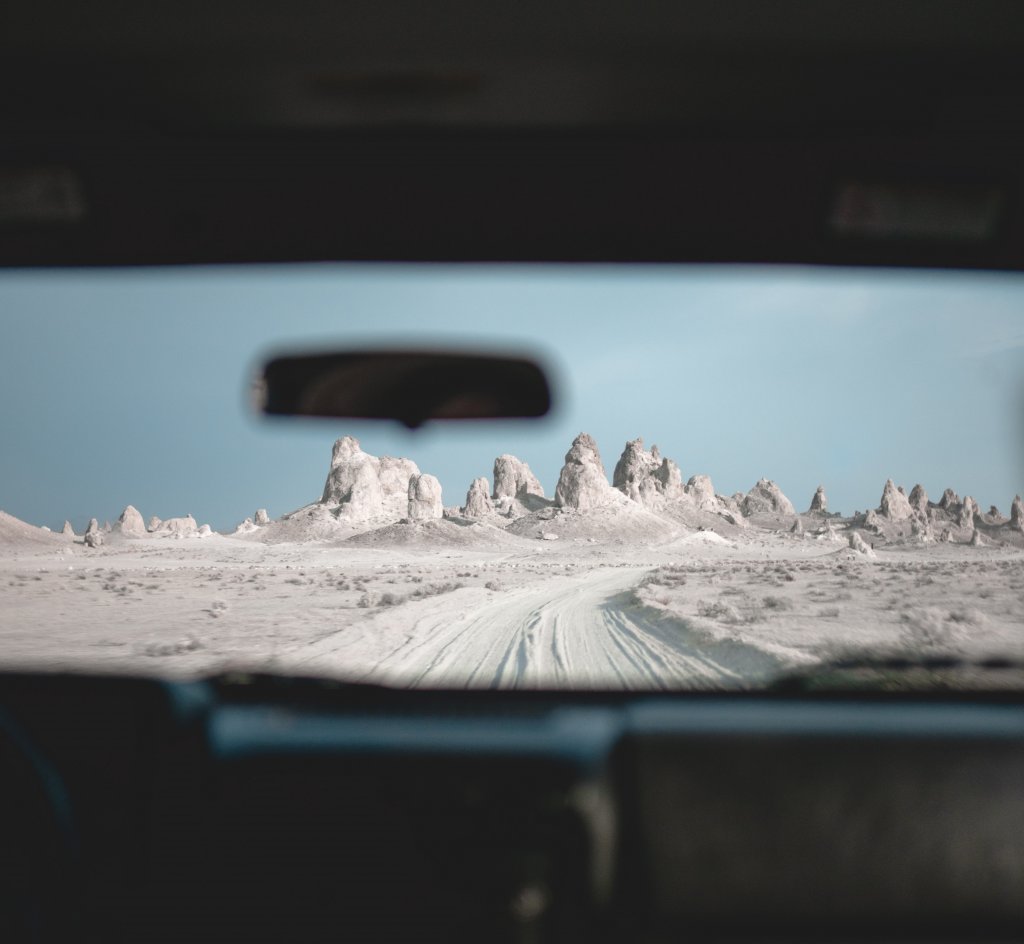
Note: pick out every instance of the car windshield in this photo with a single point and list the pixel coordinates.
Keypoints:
(747, 473)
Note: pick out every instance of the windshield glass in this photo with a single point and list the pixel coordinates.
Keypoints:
(747, 473)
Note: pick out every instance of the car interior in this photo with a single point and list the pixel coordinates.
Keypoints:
(262, 807)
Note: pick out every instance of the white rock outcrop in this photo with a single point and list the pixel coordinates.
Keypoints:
(68, 531)
(949, 500)
(130, 523)
(395, 474)
(921, 529)
(634, 466)
(478, 500)
(645, 477)
(261, 518)
(154, 523)
(582, 483)
(919, 501)
(669, 478)
(513, 479)
(819, 503)
(424, 498)
(766, 496)
(968, 511)
(180, 527)
(858, 544)
(700, 490)
(362, 486)
(894, 505)
(1017, 513)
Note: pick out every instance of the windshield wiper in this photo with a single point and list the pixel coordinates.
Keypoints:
(907, 673)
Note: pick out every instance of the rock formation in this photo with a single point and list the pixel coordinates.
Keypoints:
(634, 466)
(766, 496)
(646, 476)
(582, 483)
(669, 478)
(919, 501)
(968, 510)
(154, 524)
(395, 474)
(798, 527)
(93, 534)
(513, 478)
(1017, 513)
(68, 531)
(858, 544)
(424, 498)
(949, 500)
(894, 505)
(873, 521)
(478, 500)
(181, 527)
(261, 517)
(819, 504)
(364, 486)
(701, 492)
(353, 480)
(131, 523)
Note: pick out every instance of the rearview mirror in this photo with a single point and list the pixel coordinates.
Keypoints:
(409, 386)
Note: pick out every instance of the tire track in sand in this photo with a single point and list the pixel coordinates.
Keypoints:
(579, 632)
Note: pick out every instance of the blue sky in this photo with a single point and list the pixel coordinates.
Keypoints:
(130, 386)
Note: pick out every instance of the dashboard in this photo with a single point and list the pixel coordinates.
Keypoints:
(271, 809)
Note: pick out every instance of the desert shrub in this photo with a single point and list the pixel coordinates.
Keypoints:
(391, 599)
(747, 611)
(776, 603)
(829, 612)
(433, 589)
(493, 585)
(719, 611)
(927, 630)
(671, 575)
(969, 617)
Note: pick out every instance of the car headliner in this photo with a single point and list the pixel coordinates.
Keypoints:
(696, 131)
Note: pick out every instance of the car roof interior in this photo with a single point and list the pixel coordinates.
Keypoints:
(866, 133)
(735, 131)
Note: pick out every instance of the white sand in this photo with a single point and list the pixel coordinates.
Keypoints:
(470, 605)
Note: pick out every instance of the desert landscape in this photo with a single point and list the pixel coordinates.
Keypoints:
(640, 580)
